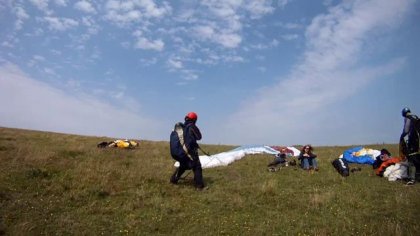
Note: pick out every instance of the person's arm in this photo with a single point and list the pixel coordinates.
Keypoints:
(192, 134)
(196, 132)
(407, 123)
(313, 155)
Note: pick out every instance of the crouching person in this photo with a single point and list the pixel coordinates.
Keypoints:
(184, 149)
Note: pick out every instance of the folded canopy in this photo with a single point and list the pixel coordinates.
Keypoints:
(360, 155)
(225, 158)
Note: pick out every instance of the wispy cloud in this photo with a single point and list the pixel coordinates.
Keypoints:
(85, 6)
(21, 16)
(328, 73)
(55, 110)
(289, 37)
(42, 5)
(61, 3)
(145, 43)
(60, 24)
(127, 12)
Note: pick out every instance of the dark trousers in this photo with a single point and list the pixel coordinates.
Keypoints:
(276, 162)
(414, 166)
(186, 163)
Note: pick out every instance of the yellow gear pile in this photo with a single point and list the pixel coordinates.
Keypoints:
(119, 143)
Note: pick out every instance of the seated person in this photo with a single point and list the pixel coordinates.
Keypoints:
(308, 158)
(384, 156)
(280, 158)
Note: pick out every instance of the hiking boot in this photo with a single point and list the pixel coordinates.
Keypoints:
(174, 179)
(410, 182)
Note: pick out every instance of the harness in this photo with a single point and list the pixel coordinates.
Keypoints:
(179, 129)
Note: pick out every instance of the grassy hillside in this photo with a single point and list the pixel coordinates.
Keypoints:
(62, 184)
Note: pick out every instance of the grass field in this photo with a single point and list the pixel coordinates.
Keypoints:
(62, 184)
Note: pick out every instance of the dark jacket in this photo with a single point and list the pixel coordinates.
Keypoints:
(191, 135)
(311, 155)
(411, 133)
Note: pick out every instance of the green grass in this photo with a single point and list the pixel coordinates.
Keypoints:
(62, 184)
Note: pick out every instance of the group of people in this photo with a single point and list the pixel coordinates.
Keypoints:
(184, 149)
(307, 159)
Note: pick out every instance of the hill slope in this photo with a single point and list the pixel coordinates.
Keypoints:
(62, 184)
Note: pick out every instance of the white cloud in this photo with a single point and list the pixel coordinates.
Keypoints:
(289, 37)
(210, 33)
(84, 6)
(263, 69)
(204, 31)
(21, 16)
(328, 73)
(175, 63)
(35, 60)
(51, 72)
(61, 3)
(259, 8)
(189, 74)
(60, 24)
(36, 105)
(7, 44)
(289, 25)
(222, 21)
(282, 3)
(131, 11)
(233, 58)
(229, 40)
(144, 43)
(42, 5)
(93, 27)
(148, 62)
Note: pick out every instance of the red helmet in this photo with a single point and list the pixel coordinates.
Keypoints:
(191, 116)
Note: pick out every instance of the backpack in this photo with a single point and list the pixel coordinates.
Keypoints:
(407, 149)
(416, 121)
(341, 166)
(177, 142)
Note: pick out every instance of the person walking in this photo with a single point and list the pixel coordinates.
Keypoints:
(409, 142)
(184, 149)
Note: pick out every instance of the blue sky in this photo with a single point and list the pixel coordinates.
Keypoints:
(283, 72)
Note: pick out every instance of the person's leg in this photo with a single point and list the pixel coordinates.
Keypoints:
(274, 163)
(183, 165)
(173, 178)
(411, 171)
(314, 164)
(305, 162)
(416, 162)
(198, 174)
